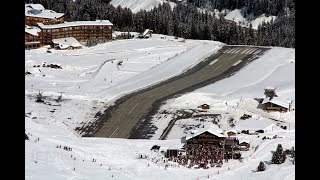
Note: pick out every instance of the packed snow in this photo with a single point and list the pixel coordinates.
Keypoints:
(237, 17)
(137, 5)
(91, 79)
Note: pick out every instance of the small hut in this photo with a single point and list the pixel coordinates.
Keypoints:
(205, 106)
(231, 132)
(244, 144)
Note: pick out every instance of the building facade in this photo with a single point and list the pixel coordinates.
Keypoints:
(50, 25)
(83, 31)
(31, 37)
(35, 13)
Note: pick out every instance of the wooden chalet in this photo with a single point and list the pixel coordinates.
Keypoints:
(66, 43)
(244, 145)
(205, 106)
(275, 104)
(231, 132)
(206, 136)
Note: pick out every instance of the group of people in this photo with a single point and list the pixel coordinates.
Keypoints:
(66, 148)
(201, 154)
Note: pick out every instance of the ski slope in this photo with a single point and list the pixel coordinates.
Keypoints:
(137, 5)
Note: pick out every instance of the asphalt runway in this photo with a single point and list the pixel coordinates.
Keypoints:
(131, 115)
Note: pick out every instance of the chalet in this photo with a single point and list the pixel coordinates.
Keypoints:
(206, 136)
(35, 13)
(101, 30)
(205, 106)
(66, 43)
(275, 104)
(244, 144)
(155, 148)
(231, 132)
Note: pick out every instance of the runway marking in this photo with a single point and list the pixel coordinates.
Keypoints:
(114, 131)
(258, 51)
(233, 50)
(133, 108)
(243, 52)
(238, 50)
(237, 62)
(253, 51)
(214, 61)
(228, 51)
(250, 51)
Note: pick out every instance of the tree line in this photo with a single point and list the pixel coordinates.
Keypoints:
(185, 20)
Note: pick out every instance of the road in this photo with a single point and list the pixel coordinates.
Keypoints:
(131, 115)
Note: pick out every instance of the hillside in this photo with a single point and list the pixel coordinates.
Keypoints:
(137, 5)
(92, 81)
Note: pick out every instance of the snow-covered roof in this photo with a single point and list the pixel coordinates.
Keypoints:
(32, 30)
(33, 42)
(244, 140)
(76, 23)
(231, 130)
(37, 10)
(278, 101)
(64, 43)
(206, 130)
(270, 87)
(145, 32)
(253, 124)
(35, 6)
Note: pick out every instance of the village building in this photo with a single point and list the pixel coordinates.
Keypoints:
(231, 132)
(101, 30)
(66, 43)
(32, 38)
(35, 13)
(51, 25)
(272, 102)
(204, 106)
(244, 144)
(205, 147)
(276, 104)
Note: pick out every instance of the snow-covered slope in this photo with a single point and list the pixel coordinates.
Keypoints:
(118, 158)
(234, 96)
(137, 5)
(90, 76)
(237, 17)
(85, 78)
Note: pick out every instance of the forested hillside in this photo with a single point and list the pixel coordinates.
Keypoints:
(184, 20)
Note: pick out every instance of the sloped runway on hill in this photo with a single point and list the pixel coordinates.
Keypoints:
(131, 115)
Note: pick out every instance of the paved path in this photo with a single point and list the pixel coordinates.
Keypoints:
(130, 116)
